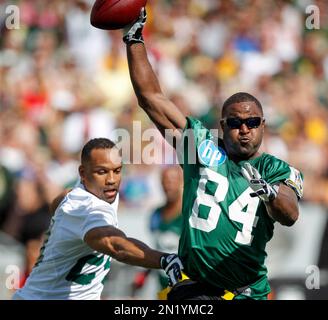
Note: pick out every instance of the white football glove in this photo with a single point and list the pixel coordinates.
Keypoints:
(261, 188)
(173, 267)
(133, 32)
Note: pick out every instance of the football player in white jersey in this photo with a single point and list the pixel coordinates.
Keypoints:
(83, 235)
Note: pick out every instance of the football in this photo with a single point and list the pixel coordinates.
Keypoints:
(115, 14)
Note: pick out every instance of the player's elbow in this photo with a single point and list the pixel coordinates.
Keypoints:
(116, 249)
(290, 219)
(288, 222)
(121, 257)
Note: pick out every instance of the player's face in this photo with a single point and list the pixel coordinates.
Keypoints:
(101, 175)
(243, 128)
(172, 183)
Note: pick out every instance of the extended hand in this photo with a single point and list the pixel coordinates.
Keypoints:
(261, 188)
(173, 267)
(133, 32)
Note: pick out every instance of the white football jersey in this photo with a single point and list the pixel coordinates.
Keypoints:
(67, 267)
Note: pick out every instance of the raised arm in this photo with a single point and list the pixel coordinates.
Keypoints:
(159, 108)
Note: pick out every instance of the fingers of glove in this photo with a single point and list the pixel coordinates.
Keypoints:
(137, 24)
(175, 264)
(249, 169)
(252, 172)
(173, 267)
(143, 15)
(258, 182)
(172, 282)
(174, 276)
(262, 192)
(246, 174)
(167, 261)
(256, 174)
(258, 193)
(141, 18)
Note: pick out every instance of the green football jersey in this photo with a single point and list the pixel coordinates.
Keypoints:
(225, 230)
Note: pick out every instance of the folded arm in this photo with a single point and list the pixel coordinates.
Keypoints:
(280, 200)
(284, 208)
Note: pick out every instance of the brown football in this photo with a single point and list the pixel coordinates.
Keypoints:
(115, 14)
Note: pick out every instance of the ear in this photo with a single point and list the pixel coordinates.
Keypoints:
(222, 124)
(82, 172)
(263, 124)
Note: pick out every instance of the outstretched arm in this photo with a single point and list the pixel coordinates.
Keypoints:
(159, 108)
(112, 241)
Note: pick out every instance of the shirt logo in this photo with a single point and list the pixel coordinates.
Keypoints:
(211, 155)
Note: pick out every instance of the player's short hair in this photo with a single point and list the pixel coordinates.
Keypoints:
(240, 97)
(96, 143)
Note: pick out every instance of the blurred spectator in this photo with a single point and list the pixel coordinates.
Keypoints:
(87, 44)
(165, 222)
(30, 217)
(6, 193)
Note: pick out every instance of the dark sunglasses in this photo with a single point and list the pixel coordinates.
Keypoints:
(251, 123)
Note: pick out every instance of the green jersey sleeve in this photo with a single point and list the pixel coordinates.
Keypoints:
(274, 170)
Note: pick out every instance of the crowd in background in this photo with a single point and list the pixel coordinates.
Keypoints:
(63, 82)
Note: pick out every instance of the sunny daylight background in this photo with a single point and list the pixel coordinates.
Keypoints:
(63, 82)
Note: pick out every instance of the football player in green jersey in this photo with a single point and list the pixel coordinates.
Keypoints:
(233, 194)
